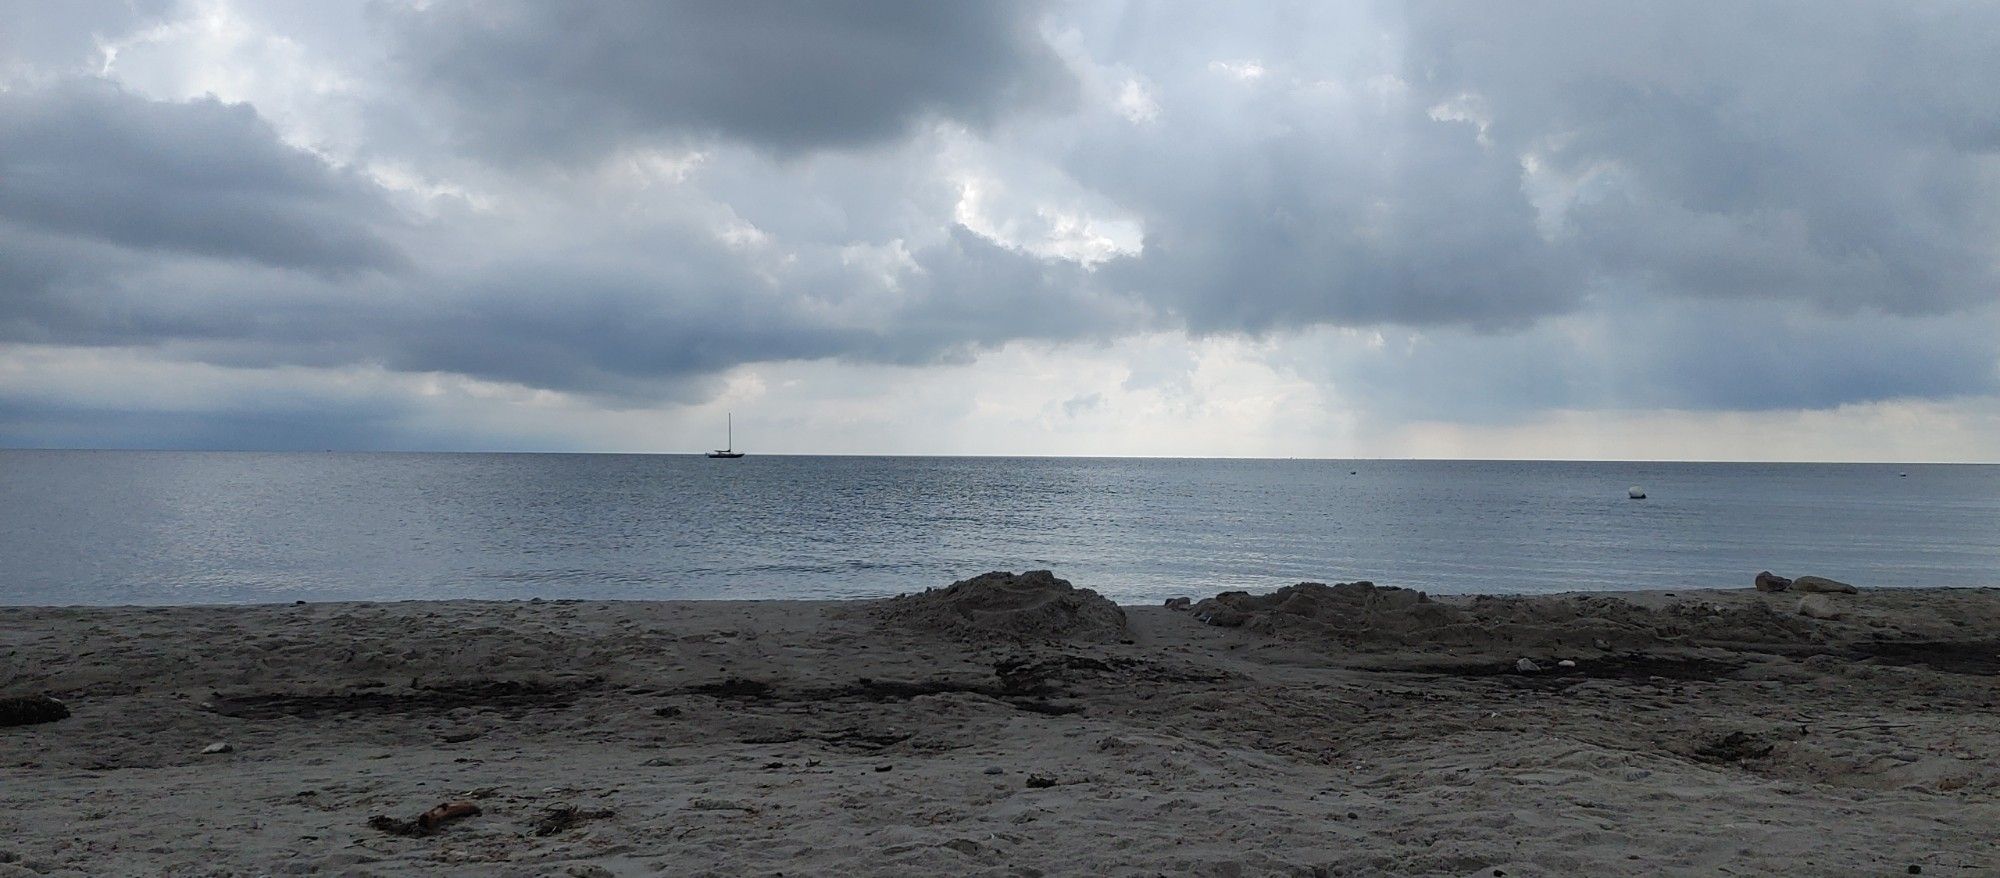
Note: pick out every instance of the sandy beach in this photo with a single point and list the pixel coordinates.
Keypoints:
(1014, 728)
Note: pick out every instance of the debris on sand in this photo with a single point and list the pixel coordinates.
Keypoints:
(733, 687)
(1032, 606)
(1040, 782)
(1733, 747)
(426, 823)
(1031, 675)
(560, 817)
(1772, 582)
(1823, 585)
(31, 710)
(218, 747)
(1178, 603)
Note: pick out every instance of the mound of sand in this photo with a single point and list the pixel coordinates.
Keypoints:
(1362, 615)
(1032, 606)
(1357, 611)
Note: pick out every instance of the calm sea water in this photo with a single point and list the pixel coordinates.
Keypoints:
(173, 527)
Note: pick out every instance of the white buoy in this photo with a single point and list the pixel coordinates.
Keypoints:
(1635, 493)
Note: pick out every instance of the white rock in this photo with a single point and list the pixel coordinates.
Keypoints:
(1566, 663)
(1635, 492)
(217, 747)
(1527, 666)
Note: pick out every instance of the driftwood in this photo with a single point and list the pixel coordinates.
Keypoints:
(426, 823)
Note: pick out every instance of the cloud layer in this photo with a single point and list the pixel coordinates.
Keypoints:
(1431, 213)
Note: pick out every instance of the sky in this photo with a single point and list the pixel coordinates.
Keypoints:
(1699, 230)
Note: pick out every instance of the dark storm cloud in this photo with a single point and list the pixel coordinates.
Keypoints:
(631, 317)
(631, 332)
(82, 157)
(531, 79)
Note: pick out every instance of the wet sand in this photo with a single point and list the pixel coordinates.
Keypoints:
(1699, 732)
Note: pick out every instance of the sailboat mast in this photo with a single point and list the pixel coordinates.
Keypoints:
(730, 420)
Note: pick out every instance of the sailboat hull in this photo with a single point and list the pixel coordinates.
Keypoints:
(728, 452)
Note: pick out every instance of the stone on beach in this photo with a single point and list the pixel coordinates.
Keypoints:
(1823, 585)
(1818, 607)
(31, 710)
(1032, 606)
(1772, 582)
(1222, 617)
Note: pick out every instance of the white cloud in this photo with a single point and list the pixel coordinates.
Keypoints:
(1242, 71)
(1135, 102)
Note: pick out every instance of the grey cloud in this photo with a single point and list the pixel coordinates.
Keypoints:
(1831, 153)
(573, 314)
(1314, 192)
(634, 332)
(1290, 231)
(529, 79)
(1835, 156)
(83, 157)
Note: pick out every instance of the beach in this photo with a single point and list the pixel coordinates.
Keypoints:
(1013, 728)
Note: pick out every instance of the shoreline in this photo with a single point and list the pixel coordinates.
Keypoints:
(1714, 729)
(1640, 595)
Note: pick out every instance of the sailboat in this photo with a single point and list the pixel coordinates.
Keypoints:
(730, 449)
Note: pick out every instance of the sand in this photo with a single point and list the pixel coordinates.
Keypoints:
(1699, 732)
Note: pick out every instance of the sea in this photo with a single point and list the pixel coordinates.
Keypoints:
(125, 527)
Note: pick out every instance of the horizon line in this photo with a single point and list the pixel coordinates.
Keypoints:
(998, 456)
